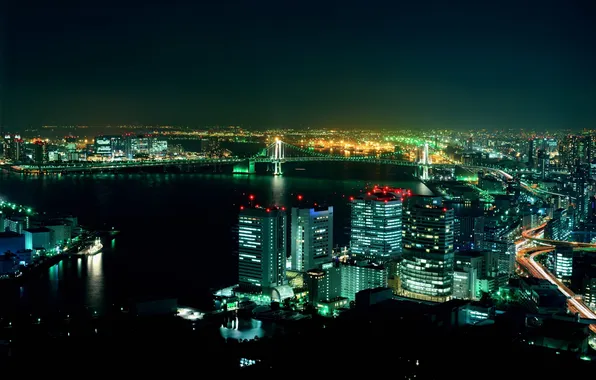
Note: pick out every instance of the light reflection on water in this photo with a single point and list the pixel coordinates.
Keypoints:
(246, 329)
(95, 280)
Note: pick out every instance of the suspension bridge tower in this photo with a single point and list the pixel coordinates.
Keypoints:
(278, 156)
(425, 162)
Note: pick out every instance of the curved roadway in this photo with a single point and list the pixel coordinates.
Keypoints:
(529, 235)
(527, 258)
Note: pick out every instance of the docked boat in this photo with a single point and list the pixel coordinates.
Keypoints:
(92, 249)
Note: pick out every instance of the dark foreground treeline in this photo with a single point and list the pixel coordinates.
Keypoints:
(357, 345)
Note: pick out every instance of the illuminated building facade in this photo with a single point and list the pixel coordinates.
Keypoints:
(589, 290)
(563, 264)
(40, 152)
(140, 146)
(103, 146)
(360, 276)
(261, 248)
(38, 238)
(325, 283)
(13, 148)
(376, 224)
(311, 237)
(428, 258)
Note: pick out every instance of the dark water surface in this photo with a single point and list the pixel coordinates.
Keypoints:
(176, 229)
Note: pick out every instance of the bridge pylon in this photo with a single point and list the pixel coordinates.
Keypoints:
(425, 163)
(278, 157)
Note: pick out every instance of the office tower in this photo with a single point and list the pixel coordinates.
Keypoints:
(505, 251)
(361, 275)
(325, 283)
(559, 227)
(427, 266)
(544, 162)
(40, 152)
(531, 153)
(468, 268)
(563, 264)
(13, 148)
(312, 237)
(376, 225)
(261, 248)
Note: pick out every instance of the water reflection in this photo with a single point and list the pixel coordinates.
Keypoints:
(95, 280)
(278, 190)
(242, 329)
(79, 267)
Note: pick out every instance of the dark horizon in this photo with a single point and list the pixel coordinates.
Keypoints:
(388, 65)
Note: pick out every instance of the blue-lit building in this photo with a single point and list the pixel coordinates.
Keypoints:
(261, 248)
(428, 258)
(559, 227)
(311, 237)
(376, 224)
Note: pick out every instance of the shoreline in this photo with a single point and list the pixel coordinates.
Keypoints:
(36, 270)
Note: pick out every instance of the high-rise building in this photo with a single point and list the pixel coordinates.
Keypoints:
(324, 283)
(13, 148)
(467, 270)
(427, 266)
(563, 263)
(357, 276)
(40, 152)
(261, 248)
(311, 237)
(531, 153)
(376, 224)
(505, 251)
(103, 146)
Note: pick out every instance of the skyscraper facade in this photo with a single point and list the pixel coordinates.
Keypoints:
(427, 266)
(376, 224)
(311, 237)
(261, 248)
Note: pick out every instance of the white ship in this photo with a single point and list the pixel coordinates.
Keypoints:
(93, 249)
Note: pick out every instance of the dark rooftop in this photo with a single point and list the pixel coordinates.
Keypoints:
(9, 234)
(38, 230)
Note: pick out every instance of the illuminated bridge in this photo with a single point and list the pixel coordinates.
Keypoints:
(276, 154)
(280, 152)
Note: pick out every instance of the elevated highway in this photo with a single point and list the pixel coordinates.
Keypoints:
(526, 258)
(531, 234)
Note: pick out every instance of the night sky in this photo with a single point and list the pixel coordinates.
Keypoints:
(394, 64)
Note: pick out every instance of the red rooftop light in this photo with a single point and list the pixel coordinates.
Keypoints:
(299, 197)
(251, 197)
(351, 198)
(241, 207)
(283, 209)
(444, 210)
(267, 210)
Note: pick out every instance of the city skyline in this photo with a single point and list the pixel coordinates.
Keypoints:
(232, 184)
(395, 65)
